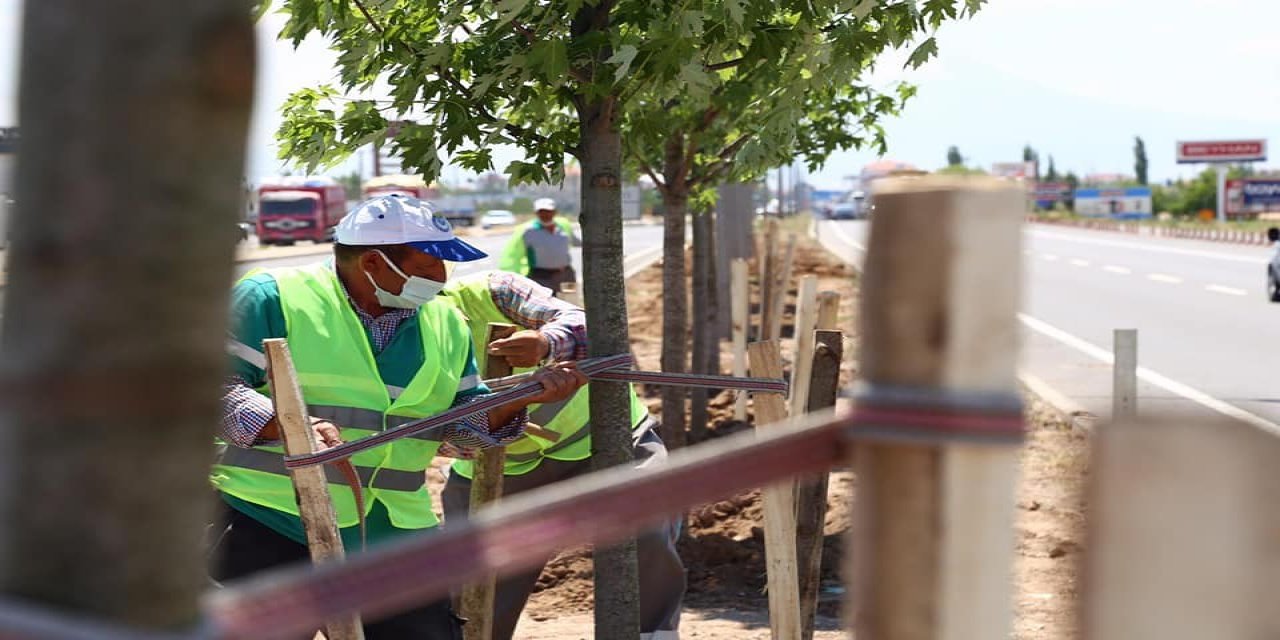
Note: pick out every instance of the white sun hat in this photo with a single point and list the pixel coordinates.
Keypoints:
(401, 219)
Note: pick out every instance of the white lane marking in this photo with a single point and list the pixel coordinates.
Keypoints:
(1080, 263)
(641, 260)
(1148, 247)
(1111, 268)
(844, 236)
(1151, 377)
(1231, 291)
(1050, 257)
(1161, 277)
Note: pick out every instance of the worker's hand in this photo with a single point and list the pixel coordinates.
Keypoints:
(327, 435)
(522, 349)
(559, 381)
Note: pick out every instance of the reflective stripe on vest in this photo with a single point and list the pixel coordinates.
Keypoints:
(370, 478)
(341, 382)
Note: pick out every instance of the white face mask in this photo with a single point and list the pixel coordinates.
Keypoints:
(415, 293)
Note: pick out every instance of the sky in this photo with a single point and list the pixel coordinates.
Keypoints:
(1075, 79)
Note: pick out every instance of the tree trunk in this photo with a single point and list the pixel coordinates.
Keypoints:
(675, 293)
(617, 599)
(134, 123)
(705, 347)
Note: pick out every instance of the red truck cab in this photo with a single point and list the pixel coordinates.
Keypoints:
(301, 208)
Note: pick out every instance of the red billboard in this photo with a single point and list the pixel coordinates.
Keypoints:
(1222, 151)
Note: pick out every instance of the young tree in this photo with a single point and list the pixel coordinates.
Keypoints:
(134, 121)
(785, 82)
(1051, 174)
(954, 159)
(556, 79)
(1140, 160)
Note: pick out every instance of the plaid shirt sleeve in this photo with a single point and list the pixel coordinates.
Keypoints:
(532, 306)
(244, 413)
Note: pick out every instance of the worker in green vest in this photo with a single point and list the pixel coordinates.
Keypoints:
(554, 330)
(372, 351)
(539, 248)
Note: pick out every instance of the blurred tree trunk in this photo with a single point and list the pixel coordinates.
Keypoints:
(706, 344)
(616, 584)
(134, 118)
(675, 291)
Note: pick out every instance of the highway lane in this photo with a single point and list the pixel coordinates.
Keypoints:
(1208, 337)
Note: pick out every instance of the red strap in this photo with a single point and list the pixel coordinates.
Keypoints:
(348, 471)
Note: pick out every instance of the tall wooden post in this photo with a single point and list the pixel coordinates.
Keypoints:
(811, 493)
(315, 507)
(768, 265)
(779, 506)
(805, 323)
(933, 526)
(486, 487)
(778, 302)
(741, 303)
(1183, 531)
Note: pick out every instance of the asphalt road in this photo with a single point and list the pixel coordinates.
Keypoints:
(1208, 339)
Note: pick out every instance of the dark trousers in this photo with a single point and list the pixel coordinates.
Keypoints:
(662, 574)
(551, 278)
(244, 546)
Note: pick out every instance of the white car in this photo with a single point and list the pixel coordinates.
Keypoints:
(497, 218)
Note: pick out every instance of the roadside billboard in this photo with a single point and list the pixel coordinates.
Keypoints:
(1246, 150)
(1020, 170)
(1251, 196)
(1121, 203)
(1047, 193)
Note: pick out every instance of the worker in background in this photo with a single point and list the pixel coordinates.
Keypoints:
(372, 351)
(554, 330)
(540, 248)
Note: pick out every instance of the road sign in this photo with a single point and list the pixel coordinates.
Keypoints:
(1122, 203)
(1051, 191)
(1222, 151)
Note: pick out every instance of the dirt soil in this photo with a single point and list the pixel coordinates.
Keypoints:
(724, 548)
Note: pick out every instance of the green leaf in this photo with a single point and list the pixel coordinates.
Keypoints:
(509, 9)
(926, 50)
(623, 57)
(736, 11)
(552, 58)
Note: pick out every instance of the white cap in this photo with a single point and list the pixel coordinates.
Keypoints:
(400, 219)
(544, 204)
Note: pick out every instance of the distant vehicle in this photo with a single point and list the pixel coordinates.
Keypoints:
(299, 208)
(403, 184)
(497, 218)
(1273, 268)
(845, 211)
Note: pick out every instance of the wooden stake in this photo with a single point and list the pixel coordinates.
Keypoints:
(779, 507)
(486, 487)
(829, 310)
(740, 300)
(1183, 522)
(767, 277)
(933, 526)
(811, 493)
(314, 504)
(779, 299)
(805, 323)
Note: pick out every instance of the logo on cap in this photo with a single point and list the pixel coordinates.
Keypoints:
(441, 223)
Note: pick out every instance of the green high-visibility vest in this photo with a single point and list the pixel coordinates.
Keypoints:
(569, 419)
(340, 383)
